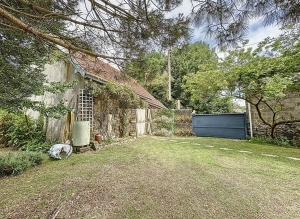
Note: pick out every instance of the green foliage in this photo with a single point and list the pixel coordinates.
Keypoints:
(59, 87)
(189, 60)
(159, 89)
(22, 132)
(60, 109)
(23, 57)
(165, 112)
(171, 122)
(183, 119)
(163, 124)
(151, 71)
(145, 69)
(36, 145)
(57, 111)
(123, 94)
(279, 140)
(16, 164)
(214, 104)
(295, 136)
(295, 132)
(15, 129)
(184, 132)
(261, 76)
(22, 60)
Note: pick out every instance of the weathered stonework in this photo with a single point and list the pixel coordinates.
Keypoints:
(290, 110)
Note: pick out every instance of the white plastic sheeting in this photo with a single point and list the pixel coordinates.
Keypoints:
(57, 149)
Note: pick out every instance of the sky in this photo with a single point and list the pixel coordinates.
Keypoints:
(255, 34)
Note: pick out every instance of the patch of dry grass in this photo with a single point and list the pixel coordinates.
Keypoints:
(160, 178)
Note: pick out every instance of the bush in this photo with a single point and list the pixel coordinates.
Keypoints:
(22, 132)
(17, 164)
(14, 129)
(184, 132)
(183, 119)
(36, 145)
(279, 140)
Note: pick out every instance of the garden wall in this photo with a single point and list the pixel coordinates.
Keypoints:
(290, 110)
(166, 122)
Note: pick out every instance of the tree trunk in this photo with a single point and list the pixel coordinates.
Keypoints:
(272, 131)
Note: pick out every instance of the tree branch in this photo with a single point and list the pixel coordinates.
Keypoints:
(116, 7)
(29, 29)
(259, 113)
(50, 13)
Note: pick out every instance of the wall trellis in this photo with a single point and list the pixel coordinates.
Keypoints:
(85, 107)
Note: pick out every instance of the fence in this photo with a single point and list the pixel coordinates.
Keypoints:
(220, 125)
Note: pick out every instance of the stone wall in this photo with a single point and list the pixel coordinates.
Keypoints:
(290, 110)
(167, 122)
(109, 120)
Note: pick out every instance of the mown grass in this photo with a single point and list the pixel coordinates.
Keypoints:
(154, 177)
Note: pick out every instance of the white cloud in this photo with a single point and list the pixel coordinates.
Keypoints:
(257, 32)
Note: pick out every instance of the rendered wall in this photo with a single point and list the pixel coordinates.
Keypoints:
(59, 72)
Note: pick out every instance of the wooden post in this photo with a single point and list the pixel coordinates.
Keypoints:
(169, 74)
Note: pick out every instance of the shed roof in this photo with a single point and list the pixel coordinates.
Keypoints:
(100, 71)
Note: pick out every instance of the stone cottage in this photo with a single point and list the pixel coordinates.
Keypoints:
(86, 69)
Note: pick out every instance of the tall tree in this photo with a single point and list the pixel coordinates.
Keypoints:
(123, 29)
(261, 76)
(22, 60)
(118, 24)
(145, 69)
(187, 61)
(150, 71)
(23, 55)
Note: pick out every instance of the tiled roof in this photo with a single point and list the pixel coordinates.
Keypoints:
(101, 71)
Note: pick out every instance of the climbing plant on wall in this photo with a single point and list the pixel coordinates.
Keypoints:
(115, 99)
(122, 95)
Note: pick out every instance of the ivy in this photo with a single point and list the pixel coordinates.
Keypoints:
(124, 95)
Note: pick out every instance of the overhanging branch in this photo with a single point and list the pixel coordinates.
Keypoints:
(15, 21)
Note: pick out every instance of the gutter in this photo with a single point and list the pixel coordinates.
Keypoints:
(92, 78)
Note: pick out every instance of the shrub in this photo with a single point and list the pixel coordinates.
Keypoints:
(22, 132)
(279, 140)
(295, 134)
(184, 132)
(15, 129)
(36, 145)
(35, 158)
(161, 124)
(16, 164)
(183, 119)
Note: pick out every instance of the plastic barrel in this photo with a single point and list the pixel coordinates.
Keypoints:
(81, 133)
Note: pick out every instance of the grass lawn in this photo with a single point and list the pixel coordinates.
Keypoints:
(155, 177)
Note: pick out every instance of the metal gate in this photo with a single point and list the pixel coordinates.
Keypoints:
(220, 125)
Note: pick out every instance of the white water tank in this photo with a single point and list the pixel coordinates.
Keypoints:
(81, 133)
